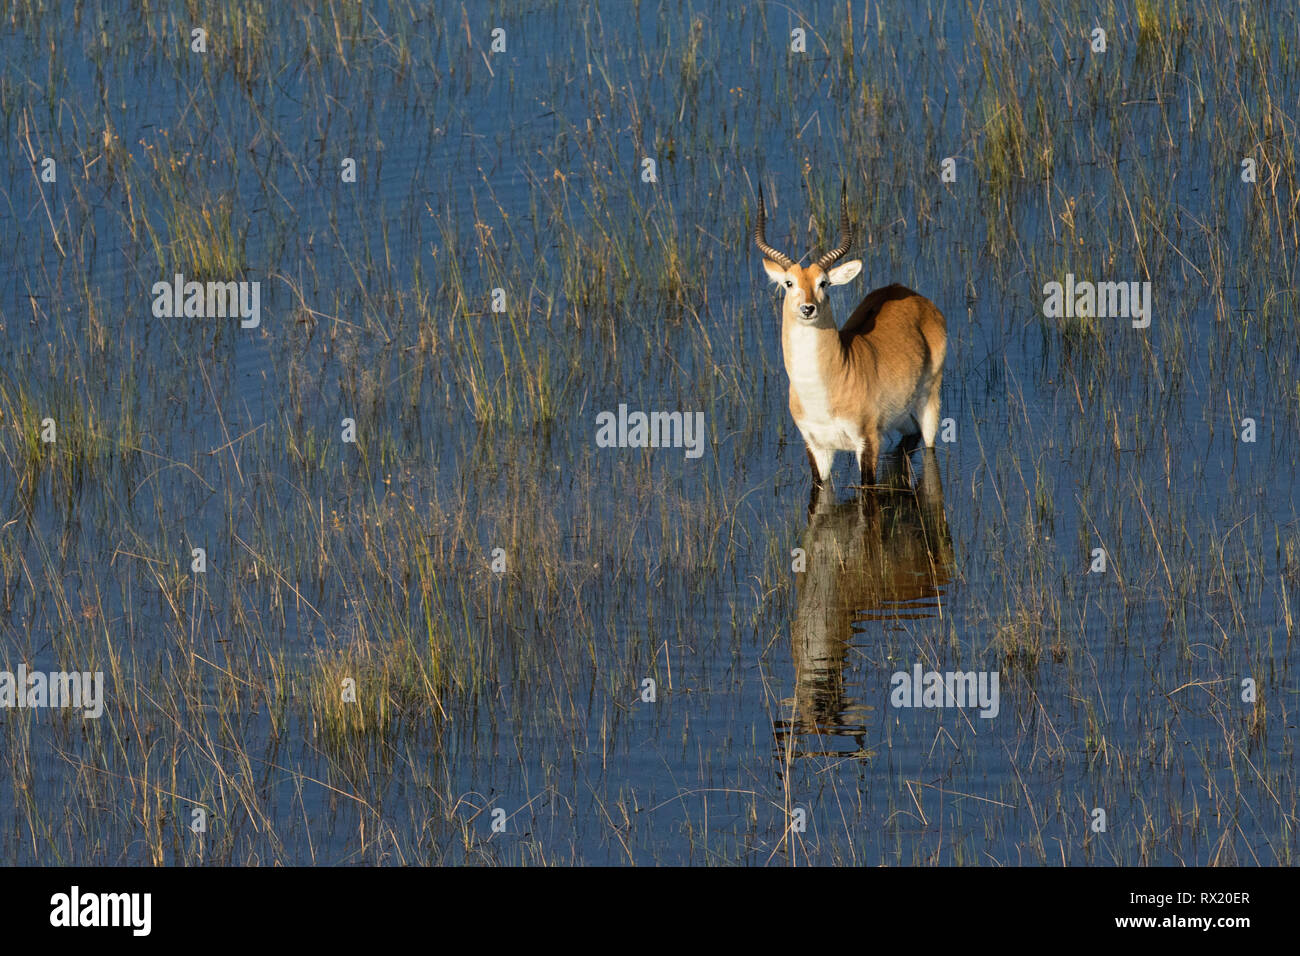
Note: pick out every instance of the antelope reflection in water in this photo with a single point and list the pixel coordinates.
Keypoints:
(879, 558)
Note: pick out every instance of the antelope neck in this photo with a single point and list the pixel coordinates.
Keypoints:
(813, 357)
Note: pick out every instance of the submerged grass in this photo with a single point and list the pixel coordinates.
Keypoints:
(498, 589)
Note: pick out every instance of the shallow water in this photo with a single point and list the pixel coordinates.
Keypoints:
(771, 736)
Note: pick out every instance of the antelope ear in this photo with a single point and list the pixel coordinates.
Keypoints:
(774, 271)
(845, 272)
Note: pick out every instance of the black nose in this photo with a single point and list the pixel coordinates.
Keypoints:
(807, 310)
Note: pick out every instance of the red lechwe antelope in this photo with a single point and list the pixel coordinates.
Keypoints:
(879, 373)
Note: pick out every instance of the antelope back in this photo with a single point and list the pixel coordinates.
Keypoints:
(905, 331)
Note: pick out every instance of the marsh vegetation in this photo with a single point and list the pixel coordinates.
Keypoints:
(497, 587)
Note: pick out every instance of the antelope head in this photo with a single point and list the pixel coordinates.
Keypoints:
(806, 286)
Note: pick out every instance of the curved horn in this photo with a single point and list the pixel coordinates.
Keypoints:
(760, 240)
(846, 231)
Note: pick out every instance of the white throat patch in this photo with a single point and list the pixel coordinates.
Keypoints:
(806, 373)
